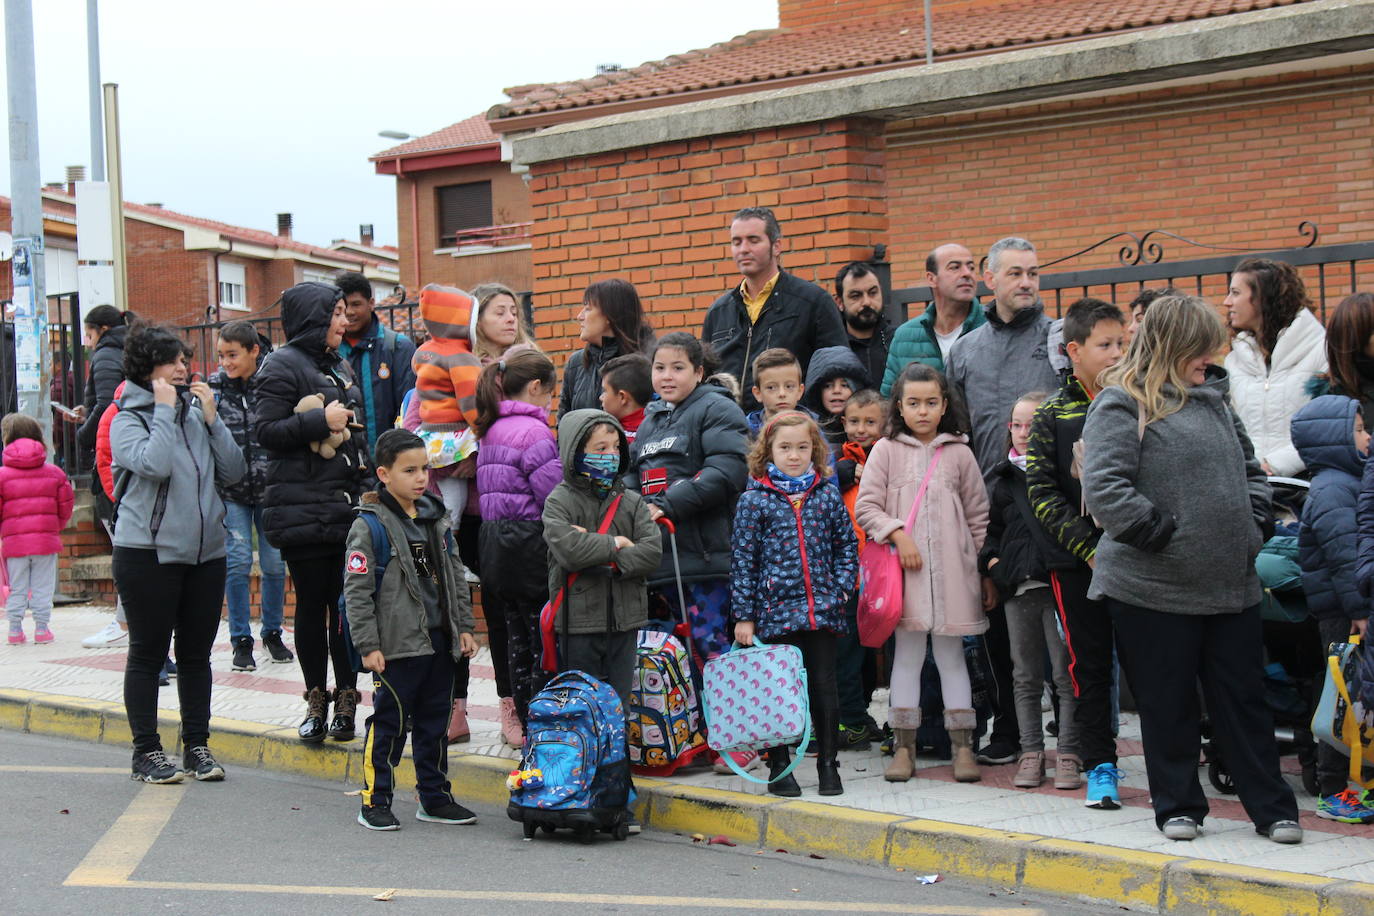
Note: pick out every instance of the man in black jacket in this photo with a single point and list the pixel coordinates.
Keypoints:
(770, 308)
(859, 295)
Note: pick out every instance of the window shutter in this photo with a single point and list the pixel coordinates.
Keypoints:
(463, 206)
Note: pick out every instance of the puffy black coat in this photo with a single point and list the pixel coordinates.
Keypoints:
(582, 375)
(234, 399)
(689, 461)
(1321, 432)
(107, 371)
(798, 316)
(828, 364)
(309, 500)
(1018, 541)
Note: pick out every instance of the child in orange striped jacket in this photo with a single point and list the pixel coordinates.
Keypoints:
(446, 373)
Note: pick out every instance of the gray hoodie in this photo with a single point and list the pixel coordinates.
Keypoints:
(1183, 507)
(993, 365)
(172, 504)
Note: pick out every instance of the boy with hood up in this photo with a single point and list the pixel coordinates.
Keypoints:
(834, 375)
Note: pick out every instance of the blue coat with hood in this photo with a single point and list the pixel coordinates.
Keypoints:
(793, 565)
(1322, 432)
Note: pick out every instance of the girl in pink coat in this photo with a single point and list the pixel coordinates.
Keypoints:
(926, 456)
(35, 505)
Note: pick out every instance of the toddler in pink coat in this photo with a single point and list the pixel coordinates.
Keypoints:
(35, 505)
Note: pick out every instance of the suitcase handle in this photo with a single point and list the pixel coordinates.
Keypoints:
(668, 526)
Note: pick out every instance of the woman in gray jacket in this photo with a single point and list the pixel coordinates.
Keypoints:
(171, 451)
(1170, 475)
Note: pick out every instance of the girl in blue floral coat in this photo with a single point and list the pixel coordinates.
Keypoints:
(794, 563)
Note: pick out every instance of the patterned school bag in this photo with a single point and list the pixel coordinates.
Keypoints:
(573, 772)
(665, 721)
(755, 698)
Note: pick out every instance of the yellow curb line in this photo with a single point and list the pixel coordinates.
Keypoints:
(1080, 871)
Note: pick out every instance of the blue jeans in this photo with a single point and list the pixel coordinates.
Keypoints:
(239, 520)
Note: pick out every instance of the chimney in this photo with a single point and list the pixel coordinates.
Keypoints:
(365, 234)
(75, 173)
(284, 225)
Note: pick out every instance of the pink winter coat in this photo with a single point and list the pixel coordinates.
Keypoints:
(944, 596)
(35, 501)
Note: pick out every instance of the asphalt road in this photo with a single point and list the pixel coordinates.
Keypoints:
(83, 838)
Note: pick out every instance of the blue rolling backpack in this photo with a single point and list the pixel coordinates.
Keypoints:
(574, 772)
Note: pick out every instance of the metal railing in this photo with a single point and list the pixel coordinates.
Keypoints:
(489, 236)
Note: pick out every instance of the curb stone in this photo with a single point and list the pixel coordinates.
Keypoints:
(1086, 872)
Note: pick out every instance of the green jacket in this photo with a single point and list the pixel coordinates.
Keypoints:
(1056, 495)
(392, 617)
(915, 342)
(610, 594)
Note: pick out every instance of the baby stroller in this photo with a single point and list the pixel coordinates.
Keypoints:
(1294, 658)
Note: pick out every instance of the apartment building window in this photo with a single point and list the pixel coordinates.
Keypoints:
(461, 207)
(232, 286)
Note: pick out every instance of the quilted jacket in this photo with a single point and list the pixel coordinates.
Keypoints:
(517, 464)
(792, 564)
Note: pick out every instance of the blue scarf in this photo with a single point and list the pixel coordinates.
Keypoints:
(792, 486)
(601, 470)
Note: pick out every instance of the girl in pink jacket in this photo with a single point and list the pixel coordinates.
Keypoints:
(925, 456)
(35, 505)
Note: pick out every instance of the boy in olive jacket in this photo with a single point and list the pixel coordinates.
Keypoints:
(609, 601)
(410, 617)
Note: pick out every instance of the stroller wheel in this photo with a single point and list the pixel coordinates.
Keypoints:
(1309, 780)
(1220, 779)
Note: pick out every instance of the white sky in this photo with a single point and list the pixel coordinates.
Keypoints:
(242, 109)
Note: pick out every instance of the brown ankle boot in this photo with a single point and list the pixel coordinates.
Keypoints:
(960, 724)
(904, 723)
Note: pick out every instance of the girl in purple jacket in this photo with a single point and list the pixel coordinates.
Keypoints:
(517, 469)
(35, 505)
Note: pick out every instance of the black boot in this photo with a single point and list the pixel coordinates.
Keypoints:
(317, 707)
(778, 759)
(827, 767)
(342, 728)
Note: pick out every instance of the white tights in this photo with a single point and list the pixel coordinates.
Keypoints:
(911, 657)
(454, 490)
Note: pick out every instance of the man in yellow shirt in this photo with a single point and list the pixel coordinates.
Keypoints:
(770, 307)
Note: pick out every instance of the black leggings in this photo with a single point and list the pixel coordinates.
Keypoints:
(514, 590)
(818, 648)
(318, 583)
(163, 601)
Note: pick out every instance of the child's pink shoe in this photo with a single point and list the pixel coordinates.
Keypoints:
(42, 634)
(17, 635)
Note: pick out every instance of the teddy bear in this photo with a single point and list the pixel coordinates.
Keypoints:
(328, 446)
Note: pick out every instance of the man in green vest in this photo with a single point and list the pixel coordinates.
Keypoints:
(952, 274)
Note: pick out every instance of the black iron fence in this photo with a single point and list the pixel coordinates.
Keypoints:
(1331, 272)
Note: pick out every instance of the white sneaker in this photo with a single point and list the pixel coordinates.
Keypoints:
(113, 636)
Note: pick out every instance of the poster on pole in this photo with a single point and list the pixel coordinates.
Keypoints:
(30, 321)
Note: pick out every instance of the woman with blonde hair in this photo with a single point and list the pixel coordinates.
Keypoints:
(500, 322)
(1170, 475)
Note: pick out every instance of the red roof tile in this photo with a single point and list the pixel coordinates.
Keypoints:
(472, 132)
(241, 233)
(773, 54)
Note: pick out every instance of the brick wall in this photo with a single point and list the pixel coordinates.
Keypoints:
(1236, 164)
(510, 203)
(166, 282)
(660, 215)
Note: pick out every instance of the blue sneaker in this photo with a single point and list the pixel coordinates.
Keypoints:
(1346, 807)
(1102, 792)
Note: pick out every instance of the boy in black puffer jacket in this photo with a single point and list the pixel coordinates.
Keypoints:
(309, 498)
(833, 377)
(241, 351)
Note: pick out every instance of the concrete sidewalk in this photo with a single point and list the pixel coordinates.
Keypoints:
(1042, 839)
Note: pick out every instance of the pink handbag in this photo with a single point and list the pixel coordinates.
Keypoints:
(881, 576)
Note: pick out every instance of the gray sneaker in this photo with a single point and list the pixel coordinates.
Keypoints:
(1286, 832)
(1181, 828)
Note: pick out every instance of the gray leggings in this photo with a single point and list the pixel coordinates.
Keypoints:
(1032, 630)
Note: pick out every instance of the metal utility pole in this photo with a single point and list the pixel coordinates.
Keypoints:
(93, 81)
(26, 210)
(112, 159)
(930, 36)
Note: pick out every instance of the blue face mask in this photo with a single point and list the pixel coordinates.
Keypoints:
(600, 469)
